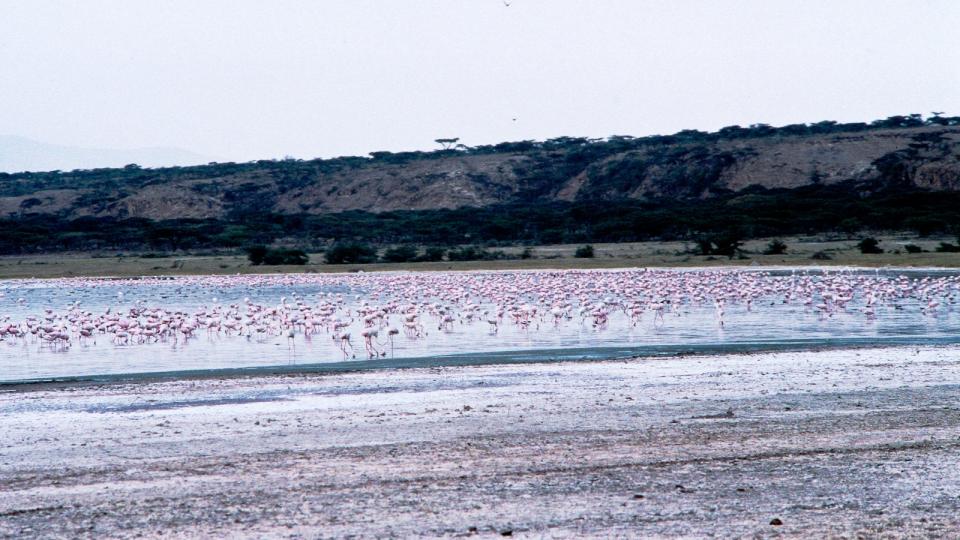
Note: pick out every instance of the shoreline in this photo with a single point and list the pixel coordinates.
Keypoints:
(687, 446)
(464, 360)
(663, 254)
(404, 269)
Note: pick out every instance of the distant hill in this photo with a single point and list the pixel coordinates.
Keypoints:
(685, 165)
(903, 171)
(19, 154)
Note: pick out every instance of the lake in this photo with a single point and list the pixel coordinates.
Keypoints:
(93, 328)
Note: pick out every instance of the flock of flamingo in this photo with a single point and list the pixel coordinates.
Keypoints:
(372, 311)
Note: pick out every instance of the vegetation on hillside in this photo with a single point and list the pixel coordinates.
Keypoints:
(757, 213)
(603, 213)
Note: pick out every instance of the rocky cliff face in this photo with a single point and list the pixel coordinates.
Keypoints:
(923, 157)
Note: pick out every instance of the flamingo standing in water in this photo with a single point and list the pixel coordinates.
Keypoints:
(505, 303)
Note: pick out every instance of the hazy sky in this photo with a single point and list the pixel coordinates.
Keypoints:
(240, 80)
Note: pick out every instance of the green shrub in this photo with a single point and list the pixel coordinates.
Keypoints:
(473, 253)
(256, 254)
(400, 254)
(726, 244)
(925, 226)
(467, 253)
(850, 225)
(775, 247)
(275, 257)
(432, 254)
(350, 253)
(913, 248)
(704, 246)
(584, 252)
(869, 246)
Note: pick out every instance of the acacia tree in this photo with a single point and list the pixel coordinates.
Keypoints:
(775, 247)
(447, 143)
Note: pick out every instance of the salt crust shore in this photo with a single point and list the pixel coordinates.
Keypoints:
(830, 443)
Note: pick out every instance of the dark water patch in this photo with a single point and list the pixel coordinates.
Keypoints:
(149, 405)
(487, 359)
(433, 386)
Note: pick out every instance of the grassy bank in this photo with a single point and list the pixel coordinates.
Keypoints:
(626, 255)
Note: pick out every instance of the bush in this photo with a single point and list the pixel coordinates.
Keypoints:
(850, 225)
(432, 254)
(726, 244)
(704, 246)
(821, 256)
(946, 247)
(925, 226)
(256, 254)
(262, 255)
(350, 253)
(400, 254)
(869, 246)
(584, 252)
(775, 247)
(913, 248)
(468, 253)
(527, 253)
(472, 253)
(275, 257)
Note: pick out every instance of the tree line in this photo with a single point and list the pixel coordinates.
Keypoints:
(755, 212)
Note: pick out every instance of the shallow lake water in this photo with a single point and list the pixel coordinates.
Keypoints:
(644, 313)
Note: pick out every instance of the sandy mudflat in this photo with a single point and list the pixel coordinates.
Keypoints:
(831, 443)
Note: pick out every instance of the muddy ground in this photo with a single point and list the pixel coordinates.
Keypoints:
(840, 443)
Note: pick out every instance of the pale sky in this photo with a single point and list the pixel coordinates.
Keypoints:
(241, 80)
